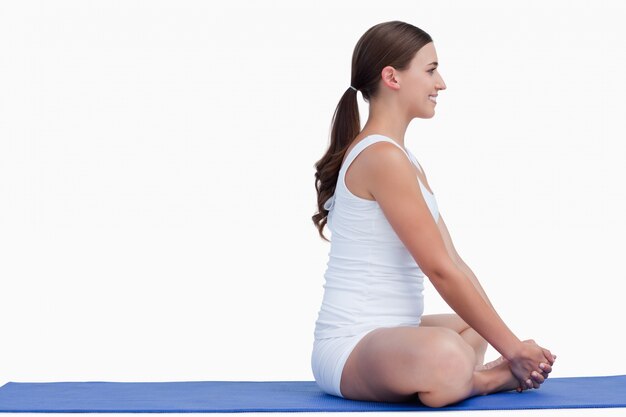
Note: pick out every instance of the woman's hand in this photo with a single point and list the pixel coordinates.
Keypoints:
(536, 377)
(531, 365)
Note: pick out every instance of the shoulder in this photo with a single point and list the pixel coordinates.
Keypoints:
(384, 159)
(381, 153)
(394, 185)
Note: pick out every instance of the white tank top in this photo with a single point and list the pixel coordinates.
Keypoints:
(371, 278)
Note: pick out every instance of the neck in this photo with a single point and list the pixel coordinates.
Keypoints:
(388, 120)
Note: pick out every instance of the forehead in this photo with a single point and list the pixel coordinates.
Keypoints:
(426, 55)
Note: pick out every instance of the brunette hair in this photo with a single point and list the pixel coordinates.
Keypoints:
(391, 43)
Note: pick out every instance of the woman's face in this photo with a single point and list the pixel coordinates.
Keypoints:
(420, 82)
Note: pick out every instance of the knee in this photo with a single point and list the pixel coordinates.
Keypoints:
(434, 399)
(453, 355)
(456, 368)
(453, 385)
(453, 361)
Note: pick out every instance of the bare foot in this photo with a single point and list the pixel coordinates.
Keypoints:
(490, 365)
(496, 377)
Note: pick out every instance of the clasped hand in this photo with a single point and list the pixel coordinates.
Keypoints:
(531, 365)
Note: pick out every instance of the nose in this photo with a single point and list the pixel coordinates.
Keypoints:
(441, 85)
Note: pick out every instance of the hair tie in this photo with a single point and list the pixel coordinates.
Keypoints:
(353, 88)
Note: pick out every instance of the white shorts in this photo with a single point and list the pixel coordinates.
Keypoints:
(328, 359)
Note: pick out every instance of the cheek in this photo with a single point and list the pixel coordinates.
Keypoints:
(424, 85)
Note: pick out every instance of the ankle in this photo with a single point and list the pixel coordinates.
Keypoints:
(481, 383)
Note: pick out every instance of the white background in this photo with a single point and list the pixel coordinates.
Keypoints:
(157, 178)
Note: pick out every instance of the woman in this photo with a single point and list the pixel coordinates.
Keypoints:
(371, 340)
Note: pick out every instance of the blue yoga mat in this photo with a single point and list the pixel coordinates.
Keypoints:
(281, 396)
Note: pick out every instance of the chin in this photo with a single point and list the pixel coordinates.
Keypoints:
(425, 113)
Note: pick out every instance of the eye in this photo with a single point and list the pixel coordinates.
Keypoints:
(431, 71)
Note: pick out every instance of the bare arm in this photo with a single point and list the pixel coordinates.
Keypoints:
(445, 235)
(464, 298)
(392, 182)
(470, 274)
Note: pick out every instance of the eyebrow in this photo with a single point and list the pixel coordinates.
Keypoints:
(434, 62)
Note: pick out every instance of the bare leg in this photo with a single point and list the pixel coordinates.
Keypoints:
(477, 342)
(456, 323)
(491, 364)
(433, 363)
(496, 378)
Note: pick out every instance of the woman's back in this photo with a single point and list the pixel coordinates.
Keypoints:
(371, 278)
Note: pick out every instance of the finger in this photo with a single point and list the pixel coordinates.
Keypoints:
(537, 377)
(548, 355)
(553, 357)
(523, 384)
(544, 373)
(545, 368)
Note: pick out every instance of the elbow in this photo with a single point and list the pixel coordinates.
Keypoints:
(444, 270)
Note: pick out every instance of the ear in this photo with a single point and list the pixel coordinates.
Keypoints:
(389, 77)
